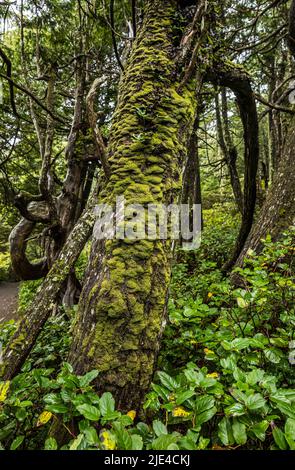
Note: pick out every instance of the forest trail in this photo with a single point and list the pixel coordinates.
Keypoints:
(8, 300)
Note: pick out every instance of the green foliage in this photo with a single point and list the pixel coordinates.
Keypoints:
(226, 378)
(27, 293)
(4, 266)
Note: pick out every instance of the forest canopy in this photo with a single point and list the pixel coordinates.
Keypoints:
(115, 341)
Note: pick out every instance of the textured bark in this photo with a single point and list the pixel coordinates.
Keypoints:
(35, 317)
(63, 211)
(191, 191)
(278, 211)
(228, 149)
(239, 83)
(292, 28)
(121, 314)
(18, 240)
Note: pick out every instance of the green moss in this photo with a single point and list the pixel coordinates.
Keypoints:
(130, 296)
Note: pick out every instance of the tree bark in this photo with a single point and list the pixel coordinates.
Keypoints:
(278, 211)
(35, 317)
(240, 84)
(228, 149)
(191, 191)
(121, 314)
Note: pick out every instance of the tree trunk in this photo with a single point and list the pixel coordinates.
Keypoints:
(121, 314)
(228, 149)
(278, 211)
(191, 191)
(36, 315)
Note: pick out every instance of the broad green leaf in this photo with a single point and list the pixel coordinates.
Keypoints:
(124, 439)
(107, 404)
(182, 397)
(168, 381)
(89, 412)
(205, 416)
(254, 402)
(290, 433)
(91, 435)
(272, 355)
(279, 438)
(236, 409)
(225, 432)
(88, 378)
(259, 430)
(164, 441)
(137, 442)
(203, 404)
(159, 428)
(239, 432)
(50, 444)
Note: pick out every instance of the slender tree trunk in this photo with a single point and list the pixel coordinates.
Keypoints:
(191, 191)
(122, 308)
(228, 149)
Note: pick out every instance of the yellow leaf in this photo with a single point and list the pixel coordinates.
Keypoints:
(132, 414)
(208, 351)
(44, 417)
(107, 439)
(214, 375)
(171, 397)
(180, 412)
(210, 294)
(4, 387)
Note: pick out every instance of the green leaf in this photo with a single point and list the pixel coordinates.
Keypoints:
(58, 408)
(255, 376)
(279, 438)
(168, 381)
(91, 435)
(137, 442)
(173, 447)
(21, 414)
(88, 378)
(239, 432)
(89, 412)
(17, 442)
(272, 355)
(124, 439)
(159, 428)
(236, 409)
(254, 402)
(286, 409)
(259, 430)
(205, 416)
(203, 404)
(242, 303)
(50, 444)
(107, 404)
(182, 397)
(163, 442)
(290, 433)
(240, 343)
(225, 432)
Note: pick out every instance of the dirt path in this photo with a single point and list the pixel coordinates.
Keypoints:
(8, 300)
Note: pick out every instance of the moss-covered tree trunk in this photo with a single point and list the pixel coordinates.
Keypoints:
(122, 308)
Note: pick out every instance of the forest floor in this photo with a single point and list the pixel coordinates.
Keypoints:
(8, 300)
